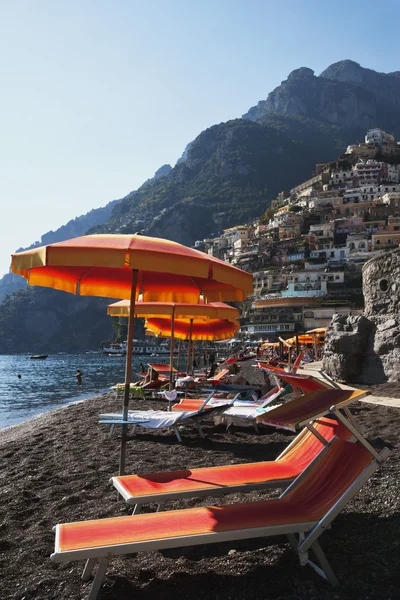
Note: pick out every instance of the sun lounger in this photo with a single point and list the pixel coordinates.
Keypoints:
(135, 391)
(302, 411)
(304, 383)
(163, 419)
(240, 412)
(217, 378)
(279, 370)
(137, 490)
(305, 509)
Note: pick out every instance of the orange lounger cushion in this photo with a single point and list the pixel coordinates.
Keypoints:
(306, 384)
(191, 404)
(177, 523)
(308, 407)
(286, 468)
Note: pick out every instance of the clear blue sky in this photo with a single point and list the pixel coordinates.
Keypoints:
(97, 94)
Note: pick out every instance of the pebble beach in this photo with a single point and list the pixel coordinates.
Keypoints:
(56, 468)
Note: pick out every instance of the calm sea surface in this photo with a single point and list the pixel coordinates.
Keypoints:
(51, 383)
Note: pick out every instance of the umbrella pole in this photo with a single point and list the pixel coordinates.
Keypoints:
(179, 353)
(189, 347)
(171, 352)
(297, 344)
(128, 369)
(315, 347)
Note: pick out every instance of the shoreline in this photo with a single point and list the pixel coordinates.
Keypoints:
(27, 424)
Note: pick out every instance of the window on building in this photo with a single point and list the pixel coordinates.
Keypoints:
(389, 241)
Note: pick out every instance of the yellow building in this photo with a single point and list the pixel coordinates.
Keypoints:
(385, 240)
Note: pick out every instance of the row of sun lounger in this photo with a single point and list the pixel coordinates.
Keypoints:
(230, 411)
(320, 471)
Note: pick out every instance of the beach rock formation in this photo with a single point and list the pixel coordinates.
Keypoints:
(366, 349)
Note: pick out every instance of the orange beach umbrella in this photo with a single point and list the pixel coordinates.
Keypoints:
(213, 310)
(320, 330)
(123, 266)
(174, 310)
(192, 329)
(197, 329)
(303, 339)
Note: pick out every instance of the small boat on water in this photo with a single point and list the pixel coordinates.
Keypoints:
(39, 356)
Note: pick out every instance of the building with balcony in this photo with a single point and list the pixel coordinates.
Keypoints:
(322, 316)
(330, 201)
(272, 322)
(315, 183)
(357, 242)
(311, 283)
(347, 225)
(383, 240)
(379, 137)
(337, 254)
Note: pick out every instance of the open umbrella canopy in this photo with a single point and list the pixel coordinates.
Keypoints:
(197, 329)
(102, 265)
(214, 310)
(303, 339)
(320, 330)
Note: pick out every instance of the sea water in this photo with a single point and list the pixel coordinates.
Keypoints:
(51, 383)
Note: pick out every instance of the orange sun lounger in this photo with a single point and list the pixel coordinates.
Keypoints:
(305, 509)
(305, 383)
(279, 370)
(161, 487)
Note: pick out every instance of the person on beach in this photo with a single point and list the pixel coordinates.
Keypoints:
(78, 376)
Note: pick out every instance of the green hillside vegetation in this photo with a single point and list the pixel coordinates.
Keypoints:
(232, 172)
(40, 320)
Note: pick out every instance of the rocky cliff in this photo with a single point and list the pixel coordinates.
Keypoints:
(344, 94)
(385, 87)
(228, 175)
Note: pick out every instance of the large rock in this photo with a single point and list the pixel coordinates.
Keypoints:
(366, 349)
(346, 344)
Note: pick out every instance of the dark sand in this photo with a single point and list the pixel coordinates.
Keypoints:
(56, 469)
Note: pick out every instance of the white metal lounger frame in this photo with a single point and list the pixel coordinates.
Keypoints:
(308, 534)
(185, 416)
(113, 421)
(161, 499)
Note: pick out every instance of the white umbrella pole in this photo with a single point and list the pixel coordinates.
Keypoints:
(189, 347)
(315, 347)
(171, 352)
(128, 369)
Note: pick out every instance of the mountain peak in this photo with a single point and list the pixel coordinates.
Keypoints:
(302, 73)
(345, 70)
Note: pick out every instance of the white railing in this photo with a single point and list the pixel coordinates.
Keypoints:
(303, 293)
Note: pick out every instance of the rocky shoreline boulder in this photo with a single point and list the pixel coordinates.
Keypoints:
(366, 349)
